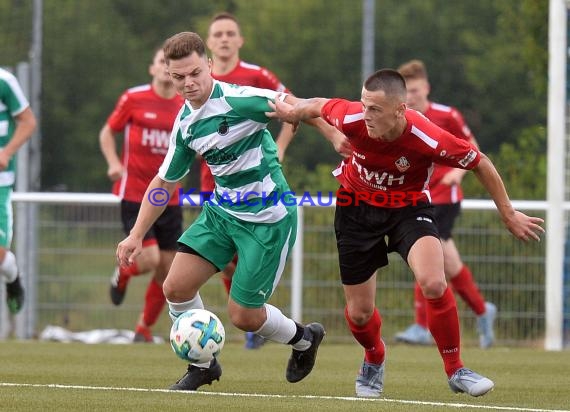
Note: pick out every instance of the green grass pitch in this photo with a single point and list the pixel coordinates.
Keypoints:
(80, 377)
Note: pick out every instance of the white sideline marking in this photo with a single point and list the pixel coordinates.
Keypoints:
(262, 395)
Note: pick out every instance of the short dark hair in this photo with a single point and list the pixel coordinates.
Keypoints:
(224, 15)
(413, 69)
(387, 80)
(182, 45)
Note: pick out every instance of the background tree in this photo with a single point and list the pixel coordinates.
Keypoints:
(487, 57)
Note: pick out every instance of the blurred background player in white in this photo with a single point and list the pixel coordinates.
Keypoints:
(224, 42)
(17, 123)
(446, 196)
(144, 115)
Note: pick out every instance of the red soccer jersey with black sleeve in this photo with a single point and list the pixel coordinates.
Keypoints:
(397, 173)
(450, 119)
(146, 120)
(244, 74)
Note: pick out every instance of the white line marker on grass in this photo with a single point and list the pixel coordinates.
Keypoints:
(262, 395)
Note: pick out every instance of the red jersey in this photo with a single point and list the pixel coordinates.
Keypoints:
(146, 121)
(244, 74)
(397, 173)
(448, 118)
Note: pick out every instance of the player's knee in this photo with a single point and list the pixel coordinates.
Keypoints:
(360, 314)
(245, 320)
(149, 259)
(174, 293)
(168, 290)
(153, 261)
(433, 288)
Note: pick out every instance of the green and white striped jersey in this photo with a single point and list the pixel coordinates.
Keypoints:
(230, 132)
(12, 103)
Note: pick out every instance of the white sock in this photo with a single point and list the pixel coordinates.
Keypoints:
(9, 268)
(177, 309)
(277, 327)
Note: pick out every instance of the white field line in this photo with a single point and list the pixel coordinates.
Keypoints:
(261, 395)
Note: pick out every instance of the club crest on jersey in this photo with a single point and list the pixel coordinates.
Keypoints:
(223, 128)
(402, 164)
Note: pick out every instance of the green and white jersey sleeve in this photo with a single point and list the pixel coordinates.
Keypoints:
(12, 103)
(230, 132)
(180, 156)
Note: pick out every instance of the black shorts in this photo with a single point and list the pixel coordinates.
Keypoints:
(365, 234)
(445, 216)
(166, 230)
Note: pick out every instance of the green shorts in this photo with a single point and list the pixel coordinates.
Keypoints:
(262, 250)
(6, 218)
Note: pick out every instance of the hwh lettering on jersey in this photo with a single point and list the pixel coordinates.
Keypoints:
(155, 138)
(377, 180)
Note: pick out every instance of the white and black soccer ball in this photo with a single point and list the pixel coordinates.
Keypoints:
(197, 336)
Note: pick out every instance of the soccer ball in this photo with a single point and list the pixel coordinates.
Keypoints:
(197, 336)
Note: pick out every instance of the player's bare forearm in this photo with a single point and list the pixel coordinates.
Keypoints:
(152, 205)
(306, 109)
(107, 144)
(490, 179)
(294, 110)
(333, 135)
(520, 225)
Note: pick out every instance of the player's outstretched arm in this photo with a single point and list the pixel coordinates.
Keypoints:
(520, 225)
(108, 146)
(333, 135)
(153, 204)
(293, 110)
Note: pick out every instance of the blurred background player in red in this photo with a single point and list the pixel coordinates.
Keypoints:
(446, 196)
(144, 115)
(224, 42)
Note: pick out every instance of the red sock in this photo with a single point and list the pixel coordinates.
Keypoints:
(133, 269)
(125, 274)
(227, 283)
(466, 287)
(153, 303)
(130, 270)
(368, 336)
(444, 327)
(145, 331)
(420, 306)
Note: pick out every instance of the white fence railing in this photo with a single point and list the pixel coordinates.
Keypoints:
(54, 230)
